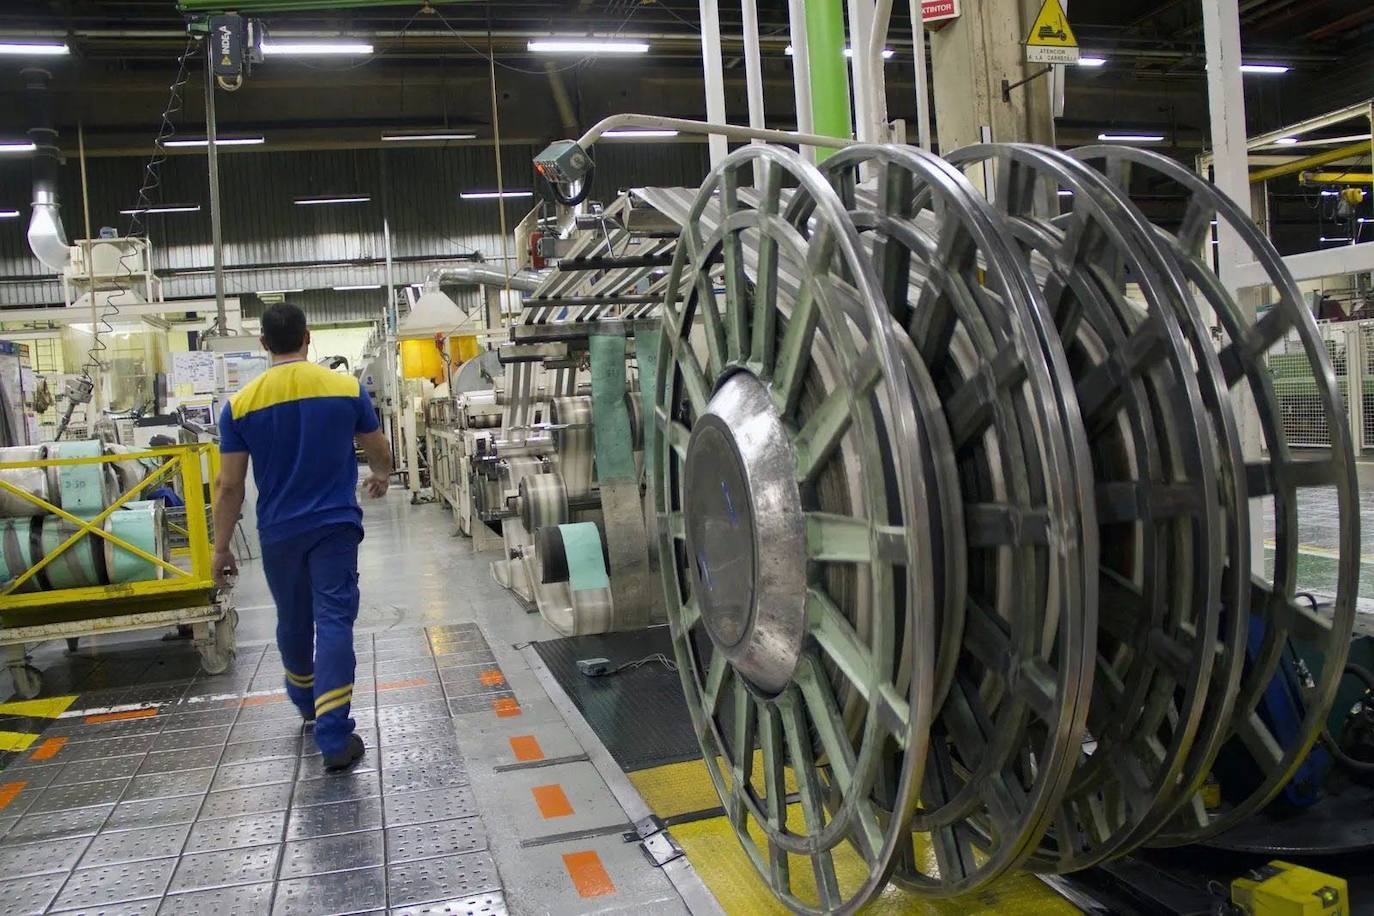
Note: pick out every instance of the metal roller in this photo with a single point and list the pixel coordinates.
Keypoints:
(543, 501)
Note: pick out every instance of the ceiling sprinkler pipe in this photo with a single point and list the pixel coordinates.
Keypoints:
(47, 237)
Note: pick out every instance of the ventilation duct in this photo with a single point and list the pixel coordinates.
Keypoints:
(47, 237)
(435, 313)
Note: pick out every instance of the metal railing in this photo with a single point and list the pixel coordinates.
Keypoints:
(190, 463)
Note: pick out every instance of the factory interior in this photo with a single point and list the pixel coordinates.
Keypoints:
(846, 456)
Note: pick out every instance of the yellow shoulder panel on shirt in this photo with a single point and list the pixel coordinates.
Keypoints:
(292, 382)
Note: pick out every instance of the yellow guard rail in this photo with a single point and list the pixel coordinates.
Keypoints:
(178, 459)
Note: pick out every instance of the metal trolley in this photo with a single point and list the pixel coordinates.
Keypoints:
(184, 593)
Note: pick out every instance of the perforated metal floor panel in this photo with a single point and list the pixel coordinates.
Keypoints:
(639, 714)
(150, 789)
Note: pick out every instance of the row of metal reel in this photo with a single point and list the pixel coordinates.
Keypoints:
(1023, 615)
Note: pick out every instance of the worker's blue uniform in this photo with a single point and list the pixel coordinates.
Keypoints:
(297, 422)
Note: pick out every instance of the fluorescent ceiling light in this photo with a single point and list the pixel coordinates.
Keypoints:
(1325, 141)
(316, 48)
(1092, 61)
(34, 49)
(1131, 138)
(278, 292)
(888, 53)
(636, 134)
(1065, 192)
(9, 214)
(1329, 193)
(492, 195)
(1286, 141)
(357, 286)
(311, 201)
(17, 147)
(219, 141)
(1343, 238)
(163, 208)
(398, 137)
(1271, 69)
(587, 46)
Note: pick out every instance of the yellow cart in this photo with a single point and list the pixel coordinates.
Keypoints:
(182, 593)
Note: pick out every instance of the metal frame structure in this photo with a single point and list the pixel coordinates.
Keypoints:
(186, 594)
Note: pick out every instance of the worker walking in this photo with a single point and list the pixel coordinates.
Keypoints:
(297, 422)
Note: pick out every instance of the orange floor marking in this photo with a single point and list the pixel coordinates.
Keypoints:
(492, 678)
(8, 790)
(262, 700)
(526, 747)
(121, 716)
(551, 801)
(505, 707)
(48, 749)
(588, 874)
(411, 682)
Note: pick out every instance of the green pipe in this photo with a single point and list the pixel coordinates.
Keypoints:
(286, 6)
(829, 71)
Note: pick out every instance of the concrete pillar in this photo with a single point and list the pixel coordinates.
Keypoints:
(971, 57)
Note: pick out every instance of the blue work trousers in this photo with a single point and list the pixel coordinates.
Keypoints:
(314, 582)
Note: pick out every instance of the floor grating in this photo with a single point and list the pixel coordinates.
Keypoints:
(164, 791)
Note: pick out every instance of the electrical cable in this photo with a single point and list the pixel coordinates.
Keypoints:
(656, 658)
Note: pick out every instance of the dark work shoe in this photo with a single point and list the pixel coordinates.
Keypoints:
(343, 760)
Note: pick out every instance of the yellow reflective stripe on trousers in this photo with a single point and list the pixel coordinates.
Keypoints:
(334, 704)
(326, 697)
(301, 680)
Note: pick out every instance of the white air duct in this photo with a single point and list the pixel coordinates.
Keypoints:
(47, 237)
(436, 313)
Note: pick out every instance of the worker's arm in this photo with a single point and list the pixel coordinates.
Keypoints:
(378, 452)
(229, 490)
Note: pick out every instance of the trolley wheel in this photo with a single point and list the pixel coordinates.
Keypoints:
(215, 660)
(28, 681)
(73, 643)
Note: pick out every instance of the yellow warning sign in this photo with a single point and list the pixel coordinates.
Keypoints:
(1051, 39)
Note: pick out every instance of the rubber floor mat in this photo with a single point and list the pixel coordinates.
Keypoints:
(639, 713)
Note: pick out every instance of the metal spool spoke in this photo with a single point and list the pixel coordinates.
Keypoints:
(796, 587)
(1138, 392)
(1276, 476)
(958, 288)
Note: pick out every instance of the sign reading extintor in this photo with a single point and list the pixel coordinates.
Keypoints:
(1051, 39)
(936, 14)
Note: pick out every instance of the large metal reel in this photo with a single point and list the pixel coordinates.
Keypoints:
(1014, 667)
(1162, 514)
(1274, 477)
(791, 527)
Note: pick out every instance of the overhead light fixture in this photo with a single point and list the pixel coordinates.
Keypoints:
(34, 49)
(9, 214)
(346, 199)
(278, 292)
(17, 147)
(1064, 192)
(888, 53)
(587, 46)
(1092, 61)
(1330, 193)
(1131, 138)
(162, 208)
(316, 48)
(493, 195)
(1270, 69)
(219, 141)
(1344, 238)
(357, 286)
(1324, 141)
(1286, 141)
(431, 137)
(635, 134)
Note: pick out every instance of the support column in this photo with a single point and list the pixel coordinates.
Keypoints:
(829, 70)
(971, 56)
(715, 75)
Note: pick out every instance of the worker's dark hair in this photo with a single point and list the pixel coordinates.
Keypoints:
(283, 328)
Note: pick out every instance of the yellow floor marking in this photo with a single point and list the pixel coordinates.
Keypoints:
(721, 860)
(46, 708)
(16, 741)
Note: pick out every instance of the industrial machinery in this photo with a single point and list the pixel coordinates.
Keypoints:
(955, 495)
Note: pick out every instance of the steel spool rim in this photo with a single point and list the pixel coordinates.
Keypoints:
(900, 415)
(934, 181)
(1080, 837)
(1242, 365)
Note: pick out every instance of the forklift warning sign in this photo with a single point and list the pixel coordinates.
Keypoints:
(1051, 39)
